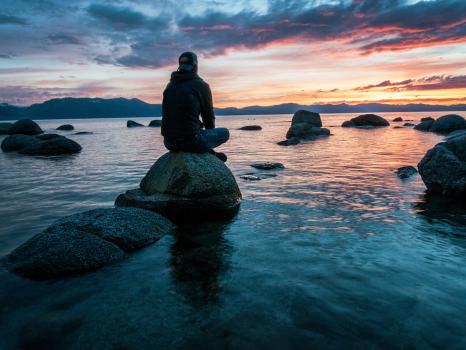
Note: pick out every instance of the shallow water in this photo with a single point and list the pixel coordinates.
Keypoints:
(333, 252)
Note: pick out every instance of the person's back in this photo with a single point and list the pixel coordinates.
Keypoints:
(185, 98)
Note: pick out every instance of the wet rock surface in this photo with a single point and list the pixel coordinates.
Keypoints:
(86, 241)
(443, 168)
(183, 185)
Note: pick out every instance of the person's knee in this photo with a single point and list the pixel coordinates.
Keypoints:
(225, 134)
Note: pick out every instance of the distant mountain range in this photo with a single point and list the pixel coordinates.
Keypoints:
(130, 108)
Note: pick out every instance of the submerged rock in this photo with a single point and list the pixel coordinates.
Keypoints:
(448, 123)
(183, 185)
(44, 145)
(132, 124)
(443, 168)
(83, 133)
(5, 128)
(268, 166)
(306, 131)
(366, 120)
(66, 127)
(256, 176)
(398, 119)
(408, 124)
(155, 123)
(426, 119)
(25, 127)
(86, 241)
(406, 171)
(289, 142)
(251, 127)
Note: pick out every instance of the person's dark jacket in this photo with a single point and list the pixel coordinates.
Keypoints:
(185, 98)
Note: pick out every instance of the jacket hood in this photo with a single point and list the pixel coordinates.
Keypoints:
(178, 77)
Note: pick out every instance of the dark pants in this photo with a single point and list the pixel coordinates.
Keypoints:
(203, 142)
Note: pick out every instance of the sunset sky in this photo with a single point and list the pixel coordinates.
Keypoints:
(251, 52)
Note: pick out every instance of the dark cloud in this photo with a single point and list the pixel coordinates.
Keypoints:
(5, 19)
(384, 84)
(434, 82)
(369, 25)
(64, 39)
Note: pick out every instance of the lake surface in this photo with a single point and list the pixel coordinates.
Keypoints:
(334, 252)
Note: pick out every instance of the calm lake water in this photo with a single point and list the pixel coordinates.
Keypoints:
(334, 252)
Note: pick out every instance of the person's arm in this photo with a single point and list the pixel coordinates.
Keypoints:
(207, 108)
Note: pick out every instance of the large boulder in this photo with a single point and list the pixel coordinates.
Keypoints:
(443, 168)
(305, 125)
(44, 145)
(5, 128)
(448, 123)
(25, 127)
(306, 131)
(308, 117)
(54, 146)
(87, 241)
(183, 185)
(366, 120)
(14, 143)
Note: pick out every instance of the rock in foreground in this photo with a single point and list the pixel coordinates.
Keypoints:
(183, 185)
(443, 168)
(86, 241)
(366, 120)
(303, 116)
(43, 145)
(25, 127)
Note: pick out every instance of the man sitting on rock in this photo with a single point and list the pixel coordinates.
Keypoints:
(185, 98)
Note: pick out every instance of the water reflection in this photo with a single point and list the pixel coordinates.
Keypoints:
(199, 258)
(448, 210)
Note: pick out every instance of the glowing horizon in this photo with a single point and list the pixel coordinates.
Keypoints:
(252, 53)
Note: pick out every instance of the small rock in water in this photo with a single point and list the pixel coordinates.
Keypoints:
(15, 143)
(289, 142)
(424, 125)
(408, 124)
(251, 127)
(55, 145)
(427, 119)
(256, 176)
(66, 127)
(398, 119)
(133, 124)
(155, 123)
(398, 127)
(268, 166)
(83, 133)
(366, 121)
(406, 171)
